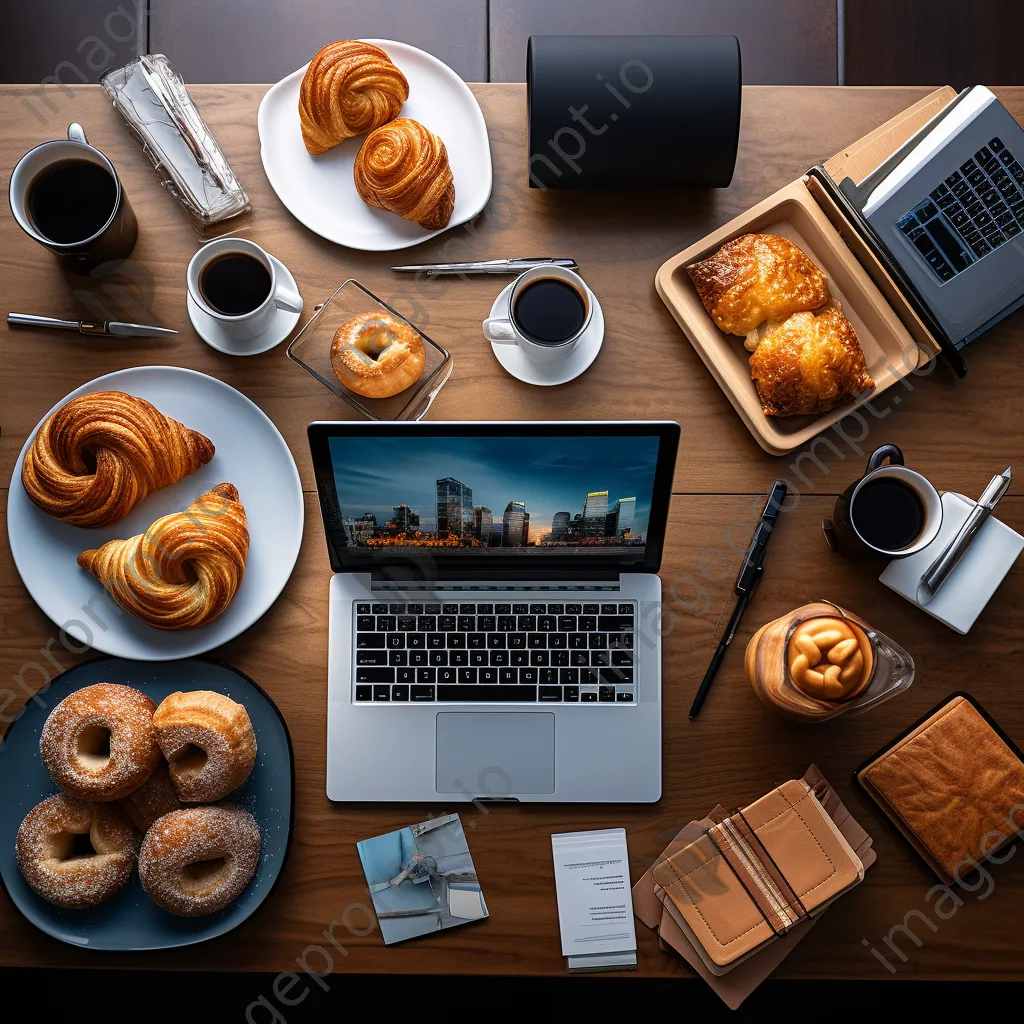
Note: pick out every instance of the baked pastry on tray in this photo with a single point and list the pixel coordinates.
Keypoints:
(810, 363)
(757, 277)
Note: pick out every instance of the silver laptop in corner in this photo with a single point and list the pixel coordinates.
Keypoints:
(494, 609)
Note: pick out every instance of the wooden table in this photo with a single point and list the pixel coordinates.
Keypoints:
(957, 432)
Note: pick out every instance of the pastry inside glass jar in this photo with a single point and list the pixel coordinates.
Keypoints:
(376, 355)
(830, 658)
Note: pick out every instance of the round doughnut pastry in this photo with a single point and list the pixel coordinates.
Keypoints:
(376, 355)
(153, 799)
(198, 860)
(99, 743)
(209, 744)
(75, 854)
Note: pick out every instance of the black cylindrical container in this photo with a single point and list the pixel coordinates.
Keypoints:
(633, 111)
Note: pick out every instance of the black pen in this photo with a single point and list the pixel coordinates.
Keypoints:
(749, 576)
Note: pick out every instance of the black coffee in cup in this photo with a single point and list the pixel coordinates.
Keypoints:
(888, 513)
(71, 200)
(234, 283)
(549, 311)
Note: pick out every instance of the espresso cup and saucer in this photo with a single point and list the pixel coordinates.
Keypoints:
(546, 327)
(241, 300)
(890, 512)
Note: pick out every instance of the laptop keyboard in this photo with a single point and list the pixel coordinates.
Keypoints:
(533, 652)
(972, 213)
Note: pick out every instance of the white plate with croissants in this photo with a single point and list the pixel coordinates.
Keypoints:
(146, 806)
(154, 513)
(376, 145)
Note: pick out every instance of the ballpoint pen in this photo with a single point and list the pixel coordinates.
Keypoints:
(749, 576)
(94, 328)
(957, 547)
(509, 266)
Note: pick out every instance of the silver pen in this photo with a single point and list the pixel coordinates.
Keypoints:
(96, 328)
(510, 266)
(957, 547)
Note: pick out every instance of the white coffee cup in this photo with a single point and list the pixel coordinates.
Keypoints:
(505, 330)
(244, 326)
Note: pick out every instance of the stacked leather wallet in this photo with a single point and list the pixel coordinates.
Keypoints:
(953, 784)
(734, 893)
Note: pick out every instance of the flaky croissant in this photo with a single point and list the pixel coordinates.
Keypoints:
(403, 167)
(755, 278)
(185, 569)
(99, 455)
(810, 363)
(349, 88)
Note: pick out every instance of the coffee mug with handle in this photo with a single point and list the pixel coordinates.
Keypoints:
(885, 463)
(503, 330)
(245, 326)
(112, 242)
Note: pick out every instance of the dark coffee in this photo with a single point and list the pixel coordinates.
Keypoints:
(888, 514)
(549, 311)
(234, 283)
(71, 200)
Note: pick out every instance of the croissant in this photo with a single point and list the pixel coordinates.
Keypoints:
(99, 455)
(809, 364)
(403, 167)
(185, 569)
(349, 88)
(755, 278)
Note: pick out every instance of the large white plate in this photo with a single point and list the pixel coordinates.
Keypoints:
(319, 190)
(251, 454)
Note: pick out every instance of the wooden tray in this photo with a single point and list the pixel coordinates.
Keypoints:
(889, 349)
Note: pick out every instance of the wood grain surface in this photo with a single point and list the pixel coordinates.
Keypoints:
(958, 433)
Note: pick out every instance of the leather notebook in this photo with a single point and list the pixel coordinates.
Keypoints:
(757, 874)
(950, 785)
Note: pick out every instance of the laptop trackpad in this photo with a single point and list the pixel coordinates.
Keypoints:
(495, 754)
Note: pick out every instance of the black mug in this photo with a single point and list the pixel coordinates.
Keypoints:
(889, 512)
(67, 196)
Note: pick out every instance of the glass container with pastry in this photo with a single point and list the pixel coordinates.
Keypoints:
(371, 356)
(820, 661)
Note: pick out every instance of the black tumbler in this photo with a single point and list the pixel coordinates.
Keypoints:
(633, 111)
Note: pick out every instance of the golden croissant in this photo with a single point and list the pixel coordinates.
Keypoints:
(349, 88)
(99, 455)
(755, 278)
(403, 167)
(185, 569)
(810, 363)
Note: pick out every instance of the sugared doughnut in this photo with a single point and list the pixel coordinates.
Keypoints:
(100, 743)
(209, 744)
(153, 799)
(76, 854)
(376, 355)
(198, 860)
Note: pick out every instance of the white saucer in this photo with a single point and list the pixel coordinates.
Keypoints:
(528, 371)
(209, 329)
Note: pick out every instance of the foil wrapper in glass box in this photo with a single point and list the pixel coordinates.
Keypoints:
(151, 96)
(311, 349)
(820, 661)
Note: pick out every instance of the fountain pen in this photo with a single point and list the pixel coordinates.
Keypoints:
(749, 576)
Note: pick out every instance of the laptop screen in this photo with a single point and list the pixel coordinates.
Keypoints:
(495, 493)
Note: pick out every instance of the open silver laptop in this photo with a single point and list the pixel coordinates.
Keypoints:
(495, 608)
(949, 207)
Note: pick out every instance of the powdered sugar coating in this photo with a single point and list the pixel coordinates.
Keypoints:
(123, 712)
(200, 836)
(44, 851)
(152, 800)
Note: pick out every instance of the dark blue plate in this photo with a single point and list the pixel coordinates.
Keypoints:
(130, 920)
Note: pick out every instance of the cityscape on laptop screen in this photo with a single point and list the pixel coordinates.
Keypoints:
(497, 495)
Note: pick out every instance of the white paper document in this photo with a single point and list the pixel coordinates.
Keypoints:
(595, 904)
